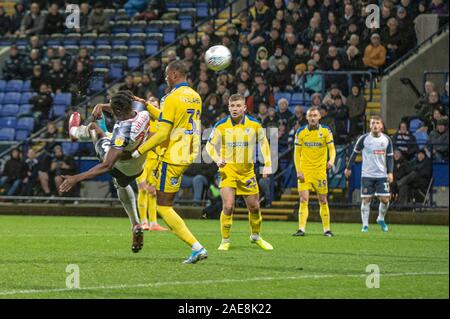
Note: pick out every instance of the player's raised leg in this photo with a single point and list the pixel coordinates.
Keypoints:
(226, 216)
(303, 213)
(382, 211)
(255, 218)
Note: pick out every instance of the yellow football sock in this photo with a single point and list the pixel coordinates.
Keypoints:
(303, 215)
(325, 216)
(225, 225)
(152, 208)
(255, 222)
(142, 205)
(176, 224)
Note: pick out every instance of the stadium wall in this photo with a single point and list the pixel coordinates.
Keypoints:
(397, 99)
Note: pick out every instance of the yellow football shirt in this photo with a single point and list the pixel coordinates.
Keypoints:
(181, 108)
(236, 143)
(312, 148)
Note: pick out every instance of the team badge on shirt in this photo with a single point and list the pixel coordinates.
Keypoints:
(119, 141)
(174, 181)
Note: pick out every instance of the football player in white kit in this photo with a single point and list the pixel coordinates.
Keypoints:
(377, 171)
(130, 131)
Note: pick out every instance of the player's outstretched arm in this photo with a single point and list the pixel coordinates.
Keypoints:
(163, 133)
(111, 158)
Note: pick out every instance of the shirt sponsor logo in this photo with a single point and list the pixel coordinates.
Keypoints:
(237, 144)
(313, 144)
(379, 152)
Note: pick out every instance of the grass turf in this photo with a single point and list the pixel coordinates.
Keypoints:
(35, 251)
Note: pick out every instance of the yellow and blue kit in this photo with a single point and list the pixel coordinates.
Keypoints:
(236, 144)
(313, 148)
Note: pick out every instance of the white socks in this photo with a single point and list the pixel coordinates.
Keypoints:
(196, 246)
(365, 213)
(81, 132)
(255, 237)
(382, 210)
(128, 200)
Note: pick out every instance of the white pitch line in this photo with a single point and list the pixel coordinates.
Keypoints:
(211, 282)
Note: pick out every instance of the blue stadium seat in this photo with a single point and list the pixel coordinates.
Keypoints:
(297, 98)
(62, 99)
(202, 10)
(1, 97)
(25, 123)
(116, 71)
(185, 22)
(88, 39)
(171, 5)
(169, 35)
(96, 84)
(25, 110)
(280, 95)
(9, 110)
(26, 87)
(2, 85)
(25, 97)
(185, 5)
(103, 40)
(414, 125)
(14, 86)
(120, 39)
(22, 135)
(151, 47)
(421, 138)
(11, 98)
(58, 110)
(70, 148)
(137, 27)
(6, 41)
(133, 62)
(8, 122)
(7, 134)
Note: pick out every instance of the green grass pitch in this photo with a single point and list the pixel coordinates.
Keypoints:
(35, 251)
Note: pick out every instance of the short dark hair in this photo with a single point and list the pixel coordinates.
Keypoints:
(236, 97)
(122, 102)
(178, 66)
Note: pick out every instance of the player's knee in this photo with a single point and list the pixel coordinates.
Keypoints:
(323, 200)
(384, 200)
(304, 198)
(253, 208)
(228, 208)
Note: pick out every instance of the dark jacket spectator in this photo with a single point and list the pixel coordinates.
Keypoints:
(340, 114)
(32, 169)
(33, 22)
(13, 174)
(357, 104)
(404, 141)
(283, 111)
(12, 66)
(42, 102)
(16, 19)
(54, 21)
(272, 119)
(37, 78)
(58, 78)
(129, 85)
(262, 95)
(425, 112)
(98, 20)
(261, 13)
(439, 140)
(5, 22)
(145, 87)
(79, 80)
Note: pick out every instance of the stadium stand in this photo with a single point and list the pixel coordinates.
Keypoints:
(285, 45)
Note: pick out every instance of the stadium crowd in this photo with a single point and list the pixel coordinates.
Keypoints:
(278, 46)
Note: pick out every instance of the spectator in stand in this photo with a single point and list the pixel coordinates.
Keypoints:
(154, 10)
(12, 66)
(375, 54)
(29, 63)
(13, 174)
(283, 110)
(438, 7)
(58, 78)
(298, 118)
(42, 102)
(299, 77)
(263, 112)
(415, 177)
(406, 28)
(16, 19)
(400, 164)
(326, 119)
(262, 95)
(394, 41)
(276, 58)
(316, 100)
(203, 89)
(338, 78)
(61, 165)
(425, 113)
(85, 11)
(301, 56)
(155, 70)
(261, 13)
(31, 176)
(353, 62)
(211, 110)
(256, 36)
(51, 134)
(79, 81)
(145, 86)
(332, 94)
(357, 104)
(404, 141)
(38, 78)
(313, 81)
(272, 119)
(84, 57)
(54, 21)
(66, 58)
(330, 57)
(129, 84)
(5, 22)
(340, 114)
(281, 79)
(98, 20)
(33, 22)
(438, 139)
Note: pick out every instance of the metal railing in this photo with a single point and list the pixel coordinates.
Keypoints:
(196, 27)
